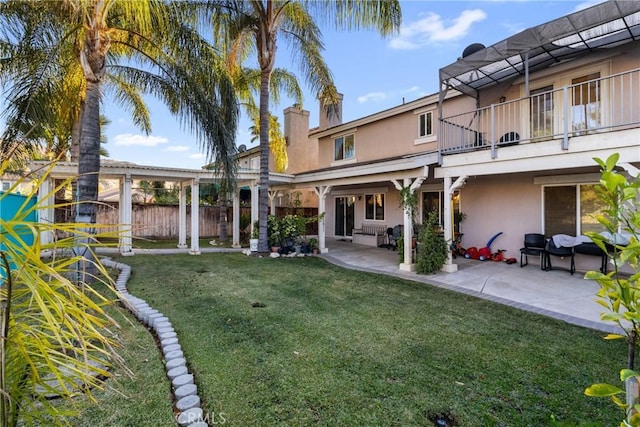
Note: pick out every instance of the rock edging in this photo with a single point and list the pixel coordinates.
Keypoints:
(184, 390)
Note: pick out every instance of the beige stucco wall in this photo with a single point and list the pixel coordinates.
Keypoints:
(511, 204)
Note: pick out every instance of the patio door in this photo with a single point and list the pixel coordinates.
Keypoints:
(541, 114)
(345, 213)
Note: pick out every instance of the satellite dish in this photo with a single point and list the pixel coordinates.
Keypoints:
(472, 48)
(242, 148)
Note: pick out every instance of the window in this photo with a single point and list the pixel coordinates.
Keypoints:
(432, 201)
(344, 147)
(5, 186)
(425, 124)
(586, 102)
(255, 163)
(374, 207)
(561, 207)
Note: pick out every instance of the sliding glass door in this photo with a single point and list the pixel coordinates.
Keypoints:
(345, 213)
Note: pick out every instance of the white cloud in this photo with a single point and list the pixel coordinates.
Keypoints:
(432, 29)
(128, 139)
(383, 96)
(372, 96)
(176, 148)
(197, 156)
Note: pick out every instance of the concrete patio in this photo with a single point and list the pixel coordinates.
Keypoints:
(553, 293)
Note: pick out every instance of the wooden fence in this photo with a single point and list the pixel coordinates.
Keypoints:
(161, 221)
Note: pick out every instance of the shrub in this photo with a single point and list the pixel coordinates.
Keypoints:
(433, 248)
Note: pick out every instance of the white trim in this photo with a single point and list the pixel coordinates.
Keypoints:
(586, 178)
(345, 132)
(359, 191)
(344, 162)
(425, 140)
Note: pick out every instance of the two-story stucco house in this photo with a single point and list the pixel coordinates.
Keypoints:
(509, 140)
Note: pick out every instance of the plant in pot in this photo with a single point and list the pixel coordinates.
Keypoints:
(313, 245)
(273, 233)
(255, 234)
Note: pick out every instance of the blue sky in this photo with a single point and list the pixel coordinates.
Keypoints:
(374, 74)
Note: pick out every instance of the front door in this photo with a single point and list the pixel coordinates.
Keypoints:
(345, 213)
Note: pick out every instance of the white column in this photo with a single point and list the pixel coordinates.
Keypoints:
(235, 238)
(322, 209)
(448, 266)
(126, 216)
(272, 201)
(407, 233)
(182, 217)
(46, 214)
(195, 217)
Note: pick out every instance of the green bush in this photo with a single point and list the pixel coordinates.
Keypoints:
(433, 248)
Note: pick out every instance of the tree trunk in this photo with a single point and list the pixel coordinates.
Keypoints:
(263, 187)
(74, 155)
(224, 229)
(88, 173)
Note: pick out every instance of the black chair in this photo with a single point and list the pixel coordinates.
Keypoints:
(561, 251)
(534, 244)
(396, 232)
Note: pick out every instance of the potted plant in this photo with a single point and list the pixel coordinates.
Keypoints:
(313, 245)
(255, 234)
(273, 233)
(458, 217)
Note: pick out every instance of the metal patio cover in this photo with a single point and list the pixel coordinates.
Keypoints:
(604, 26)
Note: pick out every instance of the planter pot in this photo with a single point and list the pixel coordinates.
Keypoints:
(274, 248)
(253, 245)
(315, 251)
(297, 248)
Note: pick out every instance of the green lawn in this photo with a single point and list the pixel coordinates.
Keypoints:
(298, 342)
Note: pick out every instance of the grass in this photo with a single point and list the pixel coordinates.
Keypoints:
(300, 342)
(143, 243)
(141, 397)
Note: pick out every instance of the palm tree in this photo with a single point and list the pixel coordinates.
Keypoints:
(148, 45)
(256, 25)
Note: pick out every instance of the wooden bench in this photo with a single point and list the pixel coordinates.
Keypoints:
(370, 234)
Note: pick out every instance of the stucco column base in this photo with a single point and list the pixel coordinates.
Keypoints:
(182, 246)
(324, 250)
(236, 246)
(129, 253)
(449, 268)
(194, 252)
(407, 267)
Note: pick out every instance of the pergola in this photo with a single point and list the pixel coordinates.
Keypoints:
(126, 173)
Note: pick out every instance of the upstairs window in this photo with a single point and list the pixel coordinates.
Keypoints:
(374, 207)
(255, 163)
(425, 124)
(345, 148)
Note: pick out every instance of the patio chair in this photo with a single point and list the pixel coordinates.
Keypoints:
(534, 244)
(396, 233)
(560, 251)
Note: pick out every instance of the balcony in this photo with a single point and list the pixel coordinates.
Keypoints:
(592, 106)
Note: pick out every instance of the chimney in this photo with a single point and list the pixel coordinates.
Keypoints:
(325, 121)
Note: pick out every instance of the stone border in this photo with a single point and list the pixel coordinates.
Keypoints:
(184, 390)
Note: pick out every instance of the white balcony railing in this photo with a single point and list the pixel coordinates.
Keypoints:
(588, 107)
